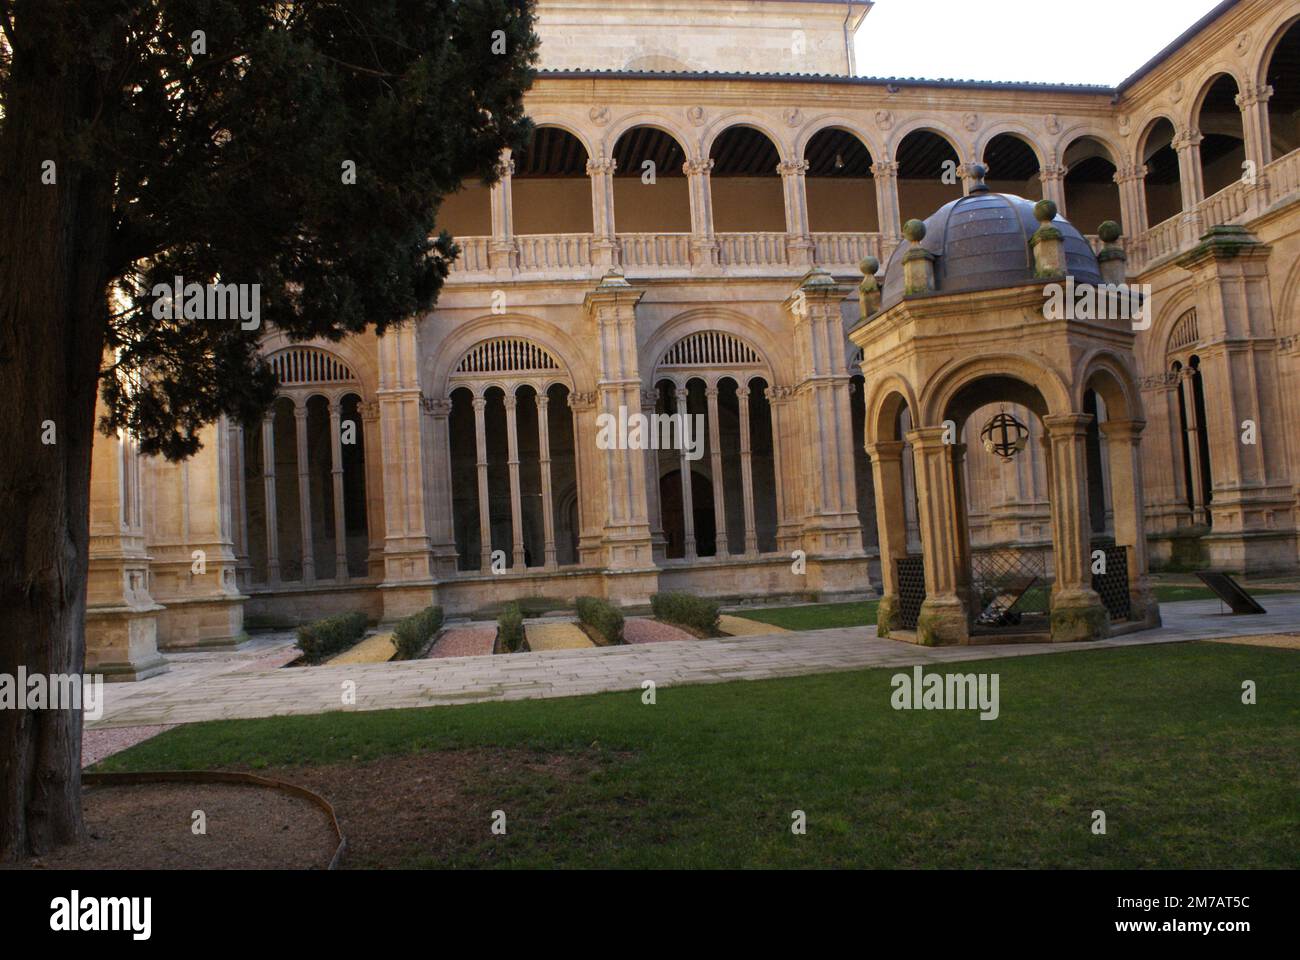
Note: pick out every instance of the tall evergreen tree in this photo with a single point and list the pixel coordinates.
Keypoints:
(300, 145)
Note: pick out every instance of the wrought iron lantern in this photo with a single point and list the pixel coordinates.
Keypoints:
(1005, 436)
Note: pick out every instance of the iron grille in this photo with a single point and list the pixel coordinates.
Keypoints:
(1008, 584)
(911, 590)
(1112, 586)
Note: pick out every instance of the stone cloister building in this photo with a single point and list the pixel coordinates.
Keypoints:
(685, 234)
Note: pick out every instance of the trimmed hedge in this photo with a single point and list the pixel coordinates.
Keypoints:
(510, 629)
(333, 634)
(412, 634)
(686, 609)
(602, 617)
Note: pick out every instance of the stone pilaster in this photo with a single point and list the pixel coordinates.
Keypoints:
(1123, 446)
(944, 618)
(1252, 502)
(1190, 178)
(611, 314)
(1131, 180)
(408, 553)
(190, 536)
(831, 528)
(1052, 177)
(121, 616)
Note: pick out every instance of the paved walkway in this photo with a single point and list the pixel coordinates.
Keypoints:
(208, 686)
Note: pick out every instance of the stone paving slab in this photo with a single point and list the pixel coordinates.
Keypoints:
(205, 688)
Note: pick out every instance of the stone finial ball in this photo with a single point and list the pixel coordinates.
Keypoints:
(1045, 211)
(1108, 231)
(869, 266)
(978, 171)
(914, 230)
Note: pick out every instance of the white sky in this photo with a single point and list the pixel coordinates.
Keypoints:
(1085, 41)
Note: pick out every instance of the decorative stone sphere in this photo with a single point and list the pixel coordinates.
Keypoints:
(1045, 211)
(869, 266)
(1108, 231)
(977, 171)
(914, 230)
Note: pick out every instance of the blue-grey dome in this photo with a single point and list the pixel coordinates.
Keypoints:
(982, 243)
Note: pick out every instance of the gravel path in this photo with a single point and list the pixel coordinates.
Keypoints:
(645, 630)
(464, 642)
(98, 744)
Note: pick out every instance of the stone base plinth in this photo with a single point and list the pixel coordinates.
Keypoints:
(942, 621)
(1078, 615)
(122, 643)
(202, 623)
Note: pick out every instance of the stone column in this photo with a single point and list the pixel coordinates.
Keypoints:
(121, 616)
(336, 476)
(591, 483)
(1253, 103)
(1190, 179)
(649, 407)
(1077, 612)
(503, 252)
(1253, 507)
(481, 464)
(1191, 436)
(944, 618)
(304, 493)
(1131, 180)
(747, 472)
(886, 178)
(1123, 446)
(604, 244)
(785, 460)
(438, 466)
(798, 243)
(544, 465)
(268, 487)
(611, 314)
(239, 505)
(1052, 177)
(517, 561)
(704, 245)
(688, 495)
(715, 471)
(891, 524)
(368, 413)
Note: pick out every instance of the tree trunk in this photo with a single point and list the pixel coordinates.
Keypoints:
(53, 313)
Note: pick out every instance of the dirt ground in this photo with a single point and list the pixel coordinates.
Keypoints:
(423, 808)
(150, 826)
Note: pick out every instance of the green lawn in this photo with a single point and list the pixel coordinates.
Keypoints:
(819, 616)
(1157, 737)
(815, 616)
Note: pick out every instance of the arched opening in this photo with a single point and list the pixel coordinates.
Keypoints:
(748, 195)
(1284, 105)
(650, 187)
(1163, 184)
(1091, 193)
(1193, 429)
(1013, 166)
(320, 487)
(927, 174)
(1007, 583)
(352, 451)
(551, 188)
(839, 185)
(1223, 137)
(513, 464)
(467, 212)
(288, 512)
(715, 380)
